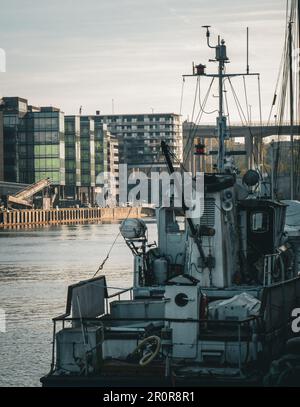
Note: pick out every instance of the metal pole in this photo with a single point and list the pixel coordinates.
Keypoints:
(273, 169)
(248, 68)
(291, 109)
(220, 119)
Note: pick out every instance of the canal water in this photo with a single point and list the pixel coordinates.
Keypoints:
(36, 267)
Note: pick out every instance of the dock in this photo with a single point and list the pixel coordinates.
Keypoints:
(38, 217)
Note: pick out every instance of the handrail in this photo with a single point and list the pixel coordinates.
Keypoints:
(237, 324)
(119, 293)
(170, 320)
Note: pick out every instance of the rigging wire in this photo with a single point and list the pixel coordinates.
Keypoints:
(193, 130)
(101, 267)
(200, 103)
(246, 99)
(243, 119)
(261, 157)
(279, 159)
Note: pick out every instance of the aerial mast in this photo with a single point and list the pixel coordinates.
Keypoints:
(200, 70)
(222, 59)
(292, 109)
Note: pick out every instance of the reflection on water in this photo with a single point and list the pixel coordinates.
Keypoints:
(36, 267)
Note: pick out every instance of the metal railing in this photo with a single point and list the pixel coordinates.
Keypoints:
(244, 328)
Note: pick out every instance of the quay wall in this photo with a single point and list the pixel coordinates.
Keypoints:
(39, 217)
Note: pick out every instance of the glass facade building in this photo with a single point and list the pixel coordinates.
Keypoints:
(48, 145)
(87, 150)
(101, 146)
(14, 109)
(72, 153)
(33, 142)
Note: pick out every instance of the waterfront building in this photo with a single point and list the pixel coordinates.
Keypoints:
(33, 142)
(72, 156)
(41, 142)
(13, 110)
(140, 138)
(46, 133)
(113, 166)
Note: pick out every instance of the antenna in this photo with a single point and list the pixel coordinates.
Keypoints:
(208, 34)
(248, 68)
(222, 59)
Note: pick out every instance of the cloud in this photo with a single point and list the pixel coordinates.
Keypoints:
(74, 52)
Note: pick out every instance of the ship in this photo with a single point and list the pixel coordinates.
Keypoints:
(211, 303)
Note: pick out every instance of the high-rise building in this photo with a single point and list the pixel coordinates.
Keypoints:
(41, 143)
(113, 166)
(47, 128)
(102, 137)
(140, 138)
(33, 142)
(73, 151)
(72, 156)
(14, 109)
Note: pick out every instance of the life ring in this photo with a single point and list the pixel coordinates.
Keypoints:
(149, 356)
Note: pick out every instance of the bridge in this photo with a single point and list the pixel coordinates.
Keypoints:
(253, 136)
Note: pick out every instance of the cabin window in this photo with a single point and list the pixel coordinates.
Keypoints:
(260, 222)
(175, 222)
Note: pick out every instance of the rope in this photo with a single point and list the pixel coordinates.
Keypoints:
(260, 118)
(242, 116)
(246, 99)
(201, 105)
(193, 130)
(101, 267)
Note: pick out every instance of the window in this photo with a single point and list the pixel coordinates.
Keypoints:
(260, 222)
(175, 222)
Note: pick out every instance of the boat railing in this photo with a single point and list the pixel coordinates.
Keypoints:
(118, 295)
(104, 321)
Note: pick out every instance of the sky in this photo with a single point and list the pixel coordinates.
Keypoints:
(74, 53)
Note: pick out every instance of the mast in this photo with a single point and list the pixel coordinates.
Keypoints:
(200, 70)
(221, 121)
(221, 57)
(292, 109)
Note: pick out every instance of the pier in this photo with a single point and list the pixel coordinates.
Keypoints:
(38, 217)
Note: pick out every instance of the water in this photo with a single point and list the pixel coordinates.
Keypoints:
(36, 267)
